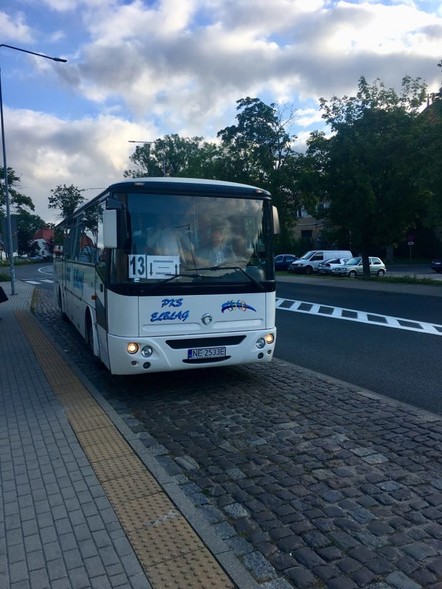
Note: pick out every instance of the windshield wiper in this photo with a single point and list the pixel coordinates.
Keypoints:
(172, 277)
(221, 267)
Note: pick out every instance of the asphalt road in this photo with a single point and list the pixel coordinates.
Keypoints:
(398, 362)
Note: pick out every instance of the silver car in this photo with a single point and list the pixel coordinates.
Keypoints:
(353, 267)
(329, 265)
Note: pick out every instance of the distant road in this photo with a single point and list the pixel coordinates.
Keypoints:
(383, 337)
(39, 275)
(419, 270)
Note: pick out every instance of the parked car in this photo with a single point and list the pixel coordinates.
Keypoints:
(309, 262)
(436, 265)
(327, 267)
(283, 261)
(353, 267)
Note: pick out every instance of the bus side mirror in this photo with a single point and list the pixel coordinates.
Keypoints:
(276, 226)
(115, 224)
(110, 228)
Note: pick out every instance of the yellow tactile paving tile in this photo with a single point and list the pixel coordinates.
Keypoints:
(71, 388)
(164, 542)
(81, 404)
(132, 487)
(102, 451)
(83, 424)
(192, 571)
(118, 467)
(105, 435)
(59, 377)
(168, 548)
(147, 512)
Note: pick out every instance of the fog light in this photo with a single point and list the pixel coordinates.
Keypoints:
(270, 338)
(260, 343)
(132, 348)
(146, 351)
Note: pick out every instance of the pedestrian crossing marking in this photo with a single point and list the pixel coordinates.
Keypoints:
(37, 282)
(358, 316)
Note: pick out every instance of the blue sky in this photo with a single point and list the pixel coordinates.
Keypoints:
(138, 70)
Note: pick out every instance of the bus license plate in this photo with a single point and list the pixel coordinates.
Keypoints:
(198, 353)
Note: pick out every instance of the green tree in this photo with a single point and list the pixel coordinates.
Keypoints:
(367, 171)
(430, 149)
(207, 162)
(171, 155)
(259, 150)
(65, 198)
(18, 201)
(27, 225)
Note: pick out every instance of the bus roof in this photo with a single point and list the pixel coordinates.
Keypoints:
(194, 183)
(176, 185)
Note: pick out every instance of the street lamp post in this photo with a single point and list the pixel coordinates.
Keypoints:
(5, 165)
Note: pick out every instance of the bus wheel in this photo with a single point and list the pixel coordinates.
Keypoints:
(89, 336)
(60, 305)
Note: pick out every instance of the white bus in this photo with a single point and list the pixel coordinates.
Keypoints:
(163, 274)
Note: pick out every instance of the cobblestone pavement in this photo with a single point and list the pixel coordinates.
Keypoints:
(314, 483)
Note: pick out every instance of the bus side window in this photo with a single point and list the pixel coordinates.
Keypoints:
(101, 252)
(86, 249)
(68, 243)
(87, 235)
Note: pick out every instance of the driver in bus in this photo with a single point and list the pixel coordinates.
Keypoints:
(217, 251)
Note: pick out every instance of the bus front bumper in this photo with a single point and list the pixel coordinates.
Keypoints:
(163, 354)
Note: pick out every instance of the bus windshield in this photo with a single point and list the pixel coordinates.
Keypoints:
(185, 238)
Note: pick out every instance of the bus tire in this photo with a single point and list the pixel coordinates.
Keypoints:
(60, 305)
(89, 333)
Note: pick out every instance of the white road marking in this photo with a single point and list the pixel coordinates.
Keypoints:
(46, 280)
(358, 316)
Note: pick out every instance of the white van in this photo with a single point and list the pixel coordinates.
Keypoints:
(309, 262)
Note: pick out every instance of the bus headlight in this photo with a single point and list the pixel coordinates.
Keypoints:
(270, 338)
(260, 343)
(132, 348)
(146, 351)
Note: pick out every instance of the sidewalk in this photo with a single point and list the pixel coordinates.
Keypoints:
(314, 483)
(78, 506)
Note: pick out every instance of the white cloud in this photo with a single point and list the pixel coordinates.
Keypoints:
(46, 151)
(141, 69)
(14, 28)
(308, 117)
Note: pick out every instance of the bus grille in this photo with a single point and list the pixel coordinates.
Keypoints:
(205, 342)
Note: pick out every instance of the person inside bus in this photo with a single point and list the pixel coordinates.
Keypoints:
(217, 250)
(164, 239)
(87, 249)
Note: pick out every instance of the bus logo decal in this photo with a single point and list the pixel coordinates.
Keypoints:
(170, 316)
(171, 302)
(240, 305)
